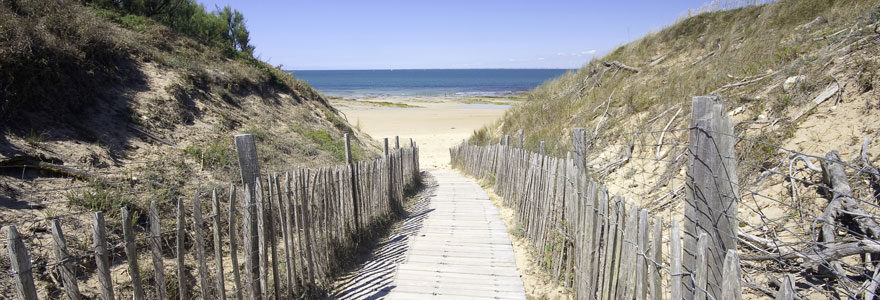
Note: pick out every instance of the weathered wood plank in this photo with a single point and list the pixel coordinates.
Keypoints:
(156, 249)
(20, 261)
(68, 277)
(102, 257)
(134, 272)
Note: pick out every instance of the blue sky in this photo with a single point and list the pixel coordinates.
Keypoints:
(415, 34)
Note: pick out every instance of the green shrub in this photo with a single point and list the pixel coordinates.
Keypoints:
(101, 196)
(336, 148)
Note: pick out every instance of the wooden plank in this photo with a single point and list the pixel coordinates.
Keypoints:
(248, 162)
(251, 247)
(199, 236)
(20, 261)
(102, 257)
(156, 249)
(134, 272)
(701, 274)
(786, 290)
(182, 286)
(711, 198)
(675, 275)
(233, 244)
(730, 288)
(65, 267)
(281, 208)
(262, 242)
(271, 234)
(642, 262)
(655, 265)
(220, 278)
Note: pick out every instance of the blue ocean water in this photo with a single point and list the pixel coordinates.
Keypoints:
(430, 82)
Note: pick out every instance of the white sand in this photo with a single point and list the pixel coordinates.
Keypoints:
(436, 126)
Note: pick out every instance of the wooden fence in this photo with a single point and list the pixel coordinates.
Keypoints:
(604, 247)
(292, 231)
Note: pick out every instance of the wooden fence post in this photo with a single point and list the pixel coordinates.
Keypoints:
(71, 288)
(102, 258)
(675, 262)
(233, 245)
(396, 142)
(22, 269)
(199, 236)
(579, 141)
(731, 288)
(156, 249)
(520, 133)
(250, 171)
(251, 247)
(131, 253)
(701, 270)
(385, 149)
(218, 247)
(182, 288)
(711, 201)
(353, 178)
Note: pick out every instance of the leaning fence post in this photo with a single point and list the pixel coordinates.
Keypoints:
(21, 265)
(131, 252)
(102, 259)
(711, 201)
(71, 288)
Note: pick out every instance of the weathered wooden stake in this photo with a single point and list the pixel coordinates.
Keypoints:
(730, 288)
(233, 244)
(156, 249)
(354, 196)
(102, 257)
(20, 261)
(675, 276)
(251, 247)
(182, 288)
(71, 288)
(131, 253)
(220, 279)
(711, 201)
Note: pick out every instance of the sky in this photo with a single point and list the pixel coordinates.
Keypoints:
(444, 34)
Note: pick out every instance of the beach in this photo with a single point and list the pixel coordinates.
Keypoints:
(435, 123)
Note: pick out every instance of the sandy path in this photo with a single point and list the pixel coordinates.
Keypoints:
(436, 126)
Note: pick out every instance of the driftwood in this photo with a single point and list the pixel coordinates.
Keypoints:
(869, 168)
(742, 83)
(660, 155)
(150, 135)
(842, 203)
(36, 163)
(620, 65)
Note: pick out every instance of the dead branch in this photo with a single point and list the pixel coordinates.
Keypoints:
(842, 202)
(620, 65)
(660, 155)
(874, 174)
(150, 135)
(701, 58)
(743, 82)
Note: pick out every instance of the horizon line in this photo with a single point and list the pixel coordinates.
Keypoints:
(407, 69)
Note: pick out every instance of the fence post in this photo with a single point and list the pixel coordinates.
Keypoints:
(199, 237)
(711, 201)
(182, 289)
(156, 249)
(233, 246)
(218, 247)
(102, 259)
(385, 149)
(675, 262)
(21, 265)
(71, 288)
(250, 170)
(520, 133)
(396, 142)
(579, 142)
(731, 288)
(131, 252)
(353, 178)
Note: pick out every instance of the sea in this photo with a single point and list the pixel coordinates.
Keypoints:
(425, 83)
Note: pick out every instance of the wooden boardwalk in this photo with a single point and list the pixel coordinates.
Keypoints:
(456, 248)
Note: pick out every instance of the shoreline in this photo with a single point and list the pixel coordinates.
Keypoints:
(434, 123)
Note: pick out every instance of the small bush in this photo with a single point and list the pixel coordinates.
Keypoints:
(335, 147)
(101, 196)
(215, 154)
